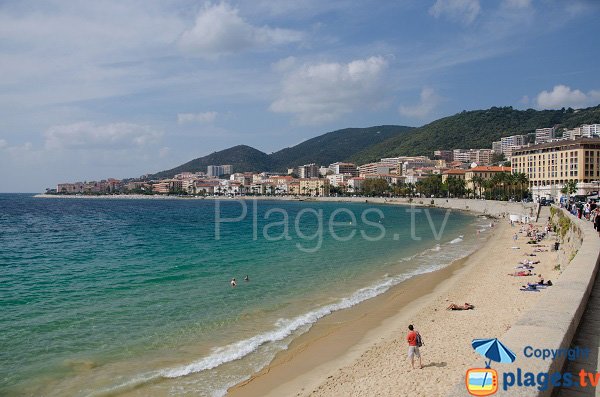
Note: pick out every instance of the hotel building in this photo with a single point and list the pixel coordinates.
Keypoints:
(550, 165)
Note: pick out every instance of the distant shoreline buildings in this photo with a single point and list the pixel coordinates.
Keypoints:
(546, 161)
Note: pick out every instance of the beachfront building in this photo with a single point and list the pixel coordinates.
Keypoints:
(551, 165)
(456, 173)
(314, 186)
(339, 179)
(355, 185)
(482, 173)
(543, 135)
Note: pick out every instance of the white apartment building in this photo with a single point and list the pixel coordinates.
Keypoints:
(589, 130)
(338, 179)
(344, 168)
(497, 146)
(508, 143)
(461, 155)
(308, 171)
(214, 170)
(543, 135)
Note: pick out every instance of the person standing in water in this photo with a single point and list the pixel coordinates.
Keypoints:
(233, 282)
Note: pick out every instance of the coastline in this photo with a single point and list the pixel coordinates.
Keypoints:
(361, 351)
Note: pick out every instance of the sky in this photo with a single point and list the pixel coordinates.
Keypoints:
(97, 89)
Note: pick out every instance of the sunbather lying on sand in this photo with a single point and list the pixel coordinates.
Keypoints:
(521, 273)
(466, 306)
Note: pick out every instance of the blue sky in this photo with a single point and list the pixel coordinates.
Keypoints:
(90, 90)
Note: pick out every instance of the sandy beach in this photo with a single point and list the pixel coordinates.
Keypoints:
(362, 351)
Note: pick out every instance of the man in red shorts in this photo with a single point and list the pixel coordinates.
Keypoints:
(413, 348)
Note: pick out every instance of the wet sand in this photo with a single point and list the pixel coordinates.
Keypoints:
(361, 351)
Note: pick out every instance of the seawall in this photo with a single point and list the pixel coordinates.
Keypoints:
(553, 321)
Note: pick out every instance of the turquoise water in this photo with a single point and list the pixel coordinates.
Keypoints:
(132, 296)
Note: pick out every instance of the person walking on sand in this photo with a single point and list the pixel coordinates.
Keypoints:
(414, 342)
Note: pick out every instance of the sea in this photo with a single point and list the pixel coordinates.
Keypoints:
(104, 297)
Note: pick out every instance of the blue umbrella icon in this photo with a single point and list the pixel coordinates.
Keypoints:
(493, 350)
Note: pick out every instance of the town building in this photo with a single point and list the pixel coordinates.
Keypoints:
(355, 185)
(458, 174)
(551, 165)
(214, 170)
(497, 146)
(314, 186)
(483, 172)
(447, 155)
(543, 135)
(508, 143)
(308, 171)
(344, 168)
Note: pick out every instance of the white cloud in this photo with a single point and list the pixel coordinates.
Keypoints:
(87, 135)
(284, 65)
(324, 92)
(428, 103)
(464, 11)
(564, 96)
(219, 30)
(202, 118)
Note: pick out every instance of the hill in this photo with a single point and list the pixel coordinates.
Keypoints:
(335, 146)
(324, 149)
(475, 129)
(241, 157)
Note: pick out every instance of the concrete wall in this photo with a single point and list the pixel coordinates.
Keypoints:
(553, 321)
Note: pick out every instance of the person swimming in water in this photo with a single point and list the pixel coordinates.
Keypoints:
(246, 278)
(233, 282)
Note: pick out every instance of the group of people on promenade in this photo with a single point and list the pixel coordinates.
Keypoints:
(589, 211)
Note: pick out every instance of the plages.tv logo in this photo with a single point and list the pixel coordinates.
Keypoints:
(484, 381)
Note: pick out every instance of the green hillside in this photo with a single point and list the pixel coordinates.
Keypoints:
(323, 150)
(472, 129)
(241, 157)
(336, 145)
(475, 129)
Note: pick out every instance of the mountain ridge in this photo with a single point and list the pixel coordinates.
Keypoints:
(466, 130)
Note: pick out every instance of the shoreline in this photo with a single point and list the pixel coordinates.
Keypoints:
(341, 337)
(361, 351)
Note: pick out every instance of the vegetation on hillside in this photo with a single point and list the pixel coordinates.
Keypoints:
(475, 129)
(241, 157)
(472, 129)
(336, 145)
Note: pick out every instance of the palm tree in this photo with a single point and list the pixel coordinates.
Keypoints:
(477, 182)
(521, 180)
(569, 188)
